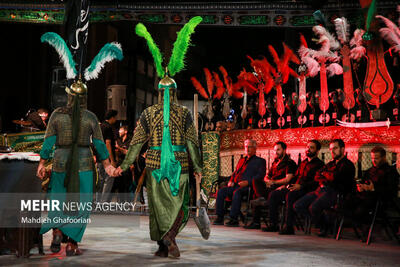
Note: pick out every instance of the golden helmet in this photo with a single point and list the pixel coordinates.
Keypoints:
(77, 88)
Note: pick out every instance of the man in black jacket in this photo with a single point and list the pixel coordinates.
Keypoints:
(379, 183)
(248, 169)
(336, 177)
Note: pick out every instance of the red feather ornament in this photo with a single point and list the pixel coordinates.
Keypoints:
(199, 87)
(219, 85)
(210, 81)
(275, 56)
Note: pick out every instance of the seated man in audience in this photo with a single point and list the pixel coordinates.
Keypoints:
(280, 173)
(379, 182)
(303, 184)
(248, 169)
(335, 177)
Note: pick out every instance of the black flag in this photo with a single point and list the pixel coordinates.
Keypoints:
(76, 21)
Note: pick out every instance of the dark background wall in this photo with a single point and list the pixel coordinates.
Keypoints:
(26, 75)
(27, 63)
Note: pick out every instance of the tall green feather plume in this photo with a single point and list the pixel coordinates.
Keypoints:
(319, 18)
(176, 63)
(371, 14)
(63, 51)
(154, 50)
(109, 52)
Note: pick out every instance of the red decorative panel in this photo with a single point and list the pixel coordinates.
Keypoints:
(299, 136)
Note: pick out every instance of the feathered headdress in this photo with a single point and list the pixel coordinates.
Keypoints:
(170, 168)
(212, 80)
(356, 43)
(176, 62)
(108, 53)
(370, 17)
(342, 29)
(77, 89)
(391, 34)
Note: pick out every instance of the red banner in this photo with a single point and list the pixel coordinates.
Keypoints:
(299, 136)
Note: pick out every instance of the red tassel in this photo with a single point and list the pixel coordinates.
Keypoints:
(199, 88)
(261, 102)
(324, 101)
(280, 107)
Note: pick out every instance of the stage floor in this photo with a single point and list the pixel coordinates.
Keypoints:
(127, 243)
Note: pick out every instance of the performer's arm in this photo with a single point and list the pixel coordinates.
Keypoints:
(103, 153)
(195, 156)
(192, 144)
(130, 157)
(47, 147)
(109, 148)
(140, 136)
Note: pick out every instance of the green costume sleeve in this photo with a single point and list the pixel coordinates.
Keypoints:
(96, 134)
(195, 156)
(101, 149)
(140, 136)
(51, 129)
(192, 143)
(130, 157)
(47, 147)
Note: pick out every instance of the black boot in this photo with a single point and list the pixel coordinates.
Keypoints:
(55, 246)
(287, 230)
(162, 250)
(169, 238)
(72, 248)
(232, 223)
(271, 228)
(253, 225)
(219, 221)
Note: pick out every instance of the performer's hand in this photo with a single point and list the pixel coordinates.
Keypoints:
(41, 171)
(198, 177)
(118, 172)
(230, 184)
(110, 169)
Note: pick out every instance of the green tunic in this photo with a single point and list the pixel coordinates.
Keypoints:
(59, 133)
(163, 205)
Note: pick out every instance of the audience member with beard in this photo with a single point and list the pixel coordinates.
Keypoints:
(279, 175)
(336, 177)
(303, 183)
(380, 182)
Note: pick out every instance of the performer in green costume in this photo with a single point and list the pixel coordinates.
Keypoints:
(72, 129)
(169, 129)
